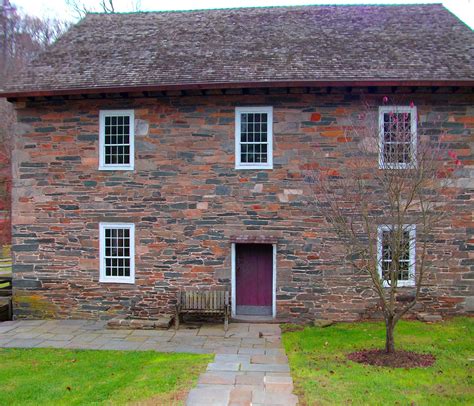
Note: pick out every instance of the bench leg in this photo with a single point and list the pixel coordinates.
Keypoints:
(226, 321)
(176, 321)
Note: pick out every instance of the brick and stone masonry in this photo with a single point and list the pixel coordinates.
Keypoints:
(188, 201)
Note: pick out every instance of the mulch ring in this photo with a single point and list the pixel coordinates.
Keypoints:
(398, 359)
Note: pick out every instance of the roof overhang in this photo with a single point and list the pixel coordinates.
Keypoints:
(235, 85)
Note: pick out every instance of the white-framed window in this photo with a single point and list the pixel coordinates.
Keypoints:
(387, 249)
(253, 137)
(116, 135)
(117, 252)
(397, 137)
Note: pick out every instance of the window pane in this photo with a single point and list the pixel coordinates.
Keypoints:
(253, 138)
(389, 239)
(397, 138)
(117, 140)
(117, 252)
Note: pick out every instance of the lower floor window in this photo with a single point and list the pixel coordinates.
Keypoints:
(117, 252)
(396, 254)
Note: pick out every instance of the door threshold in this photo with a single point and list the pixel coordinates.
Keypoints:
(250, 318)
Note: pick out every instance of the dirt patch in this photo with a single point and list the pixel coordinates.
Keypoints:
(171, 399)
(398, 359)
(289, 328)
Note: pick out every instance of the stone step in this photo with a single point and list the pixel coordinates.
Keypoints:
(223, 366)
(217, 378)
(240, 396)
(163, 322)
(264, 367)
(250, 378)
(280, 384)
(269, 359)
(205, 396)
(264, 397)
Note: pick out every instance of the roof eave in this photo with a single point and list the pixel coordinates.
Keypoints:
(235, 85)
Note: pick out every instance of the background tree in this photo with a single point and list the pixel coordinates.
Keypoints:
(80, 9)
(387, 201)
(21, 38)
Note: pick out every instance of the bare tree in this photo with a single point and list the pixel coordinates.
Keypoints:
(22, 37)
(387, 202)
(105, 6)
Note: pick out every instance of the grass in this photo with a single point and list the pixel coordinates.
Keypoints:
(78, 377)
(324, 376)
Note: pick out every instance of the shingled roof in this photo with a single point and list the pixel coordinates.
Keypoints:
(254, 47)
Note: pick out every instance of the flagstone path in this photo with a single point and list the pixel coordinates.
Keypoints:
(250, 366)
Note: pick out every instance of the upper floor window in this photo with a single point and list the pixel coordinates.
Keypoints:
(396, 254)
(116, 140)
(117, 252)
(254, 138)
(398, 137)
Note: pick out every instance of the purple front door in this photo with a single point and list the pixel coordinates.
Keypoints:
(254, 276)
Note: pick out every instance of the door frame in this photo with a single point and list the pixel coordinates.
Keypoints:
(233, 279)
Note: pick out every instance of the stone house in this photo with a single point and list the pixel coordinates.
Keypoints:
(159, 151)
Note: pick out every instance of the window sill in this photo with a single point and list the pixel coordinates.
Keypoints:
(397, 166)
(402, 285)
(117, 281)
(259, 167)
(116, 168)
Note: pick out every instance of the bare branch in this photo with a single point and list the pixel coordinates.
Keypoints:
(104, 6)
(386, 198)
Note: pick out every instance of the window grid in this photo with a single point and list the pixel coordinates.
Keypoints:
(117, 140)
(254, 138)
(117, 252)
(404, 260)
(406, 267)
(397, 137)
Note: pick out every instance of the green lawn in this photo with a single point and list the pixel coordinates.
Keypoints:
(69, 377)
(323, 375)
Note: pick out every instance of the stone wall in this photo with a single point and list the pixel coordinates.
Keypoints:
(188, 201)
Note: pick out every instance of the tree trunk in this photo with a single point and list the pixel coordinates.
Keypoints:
(389, 341)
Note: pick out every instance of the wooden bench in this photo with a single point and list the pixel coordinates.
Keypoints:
(203, 302)
(5, 298)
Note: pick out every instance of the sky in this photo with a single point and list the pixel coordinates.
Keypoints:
(464, 9)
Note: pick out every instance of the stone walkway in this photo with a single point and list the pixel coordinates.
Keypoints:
(250, 366)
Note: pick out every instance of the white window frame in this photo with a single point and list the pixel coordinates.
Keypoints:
(117, 279)
(414, 136)
(116, 167)
(254, 165)
(411, 228)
